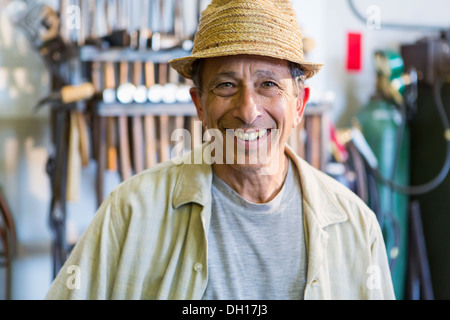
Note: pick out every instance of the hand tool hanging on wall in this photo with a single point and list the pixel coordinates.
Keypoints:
(41, 25)
(170, 87)
(166, 38)
(84, 22)
(98, 78)
(137, 129)
(124, 148)
(78, 144)
(109, 91)
(125, 93)
(116, 26)
(85, 141)
(79, 149)
(145, 31)
(149, 121)
(74, 161)
(177, 92)
(66, 31)
(164, 150)
(134, 27)
(109, 96)
(85, 145)
(39, 22)
(102, 19)
(186, 40)
(155, 89)
(84, 35)
(178, 28)
(92, 33)
(68, 94)
(141, 92)
(103, 78)
(126, 89)
(111, 16)
(57, 171)
(183, 94)
(149, 67)
(111, 144)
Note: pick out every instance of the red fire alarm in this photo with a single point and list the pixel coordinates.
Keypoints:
(354, 51)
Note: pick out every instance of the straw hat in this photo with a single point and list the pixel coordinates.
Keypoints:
(255, 27)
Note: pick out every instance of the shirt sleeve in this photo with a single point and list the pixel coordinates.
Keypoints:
(89, 272)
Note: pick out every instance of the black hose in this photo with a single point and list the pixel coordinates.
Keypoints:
(434, 183)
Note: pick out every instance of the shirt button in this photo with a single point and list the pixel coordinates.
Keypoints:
(198, 267)
(315, 283)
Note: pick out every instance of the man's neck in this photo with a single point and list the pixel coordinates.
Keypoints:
(251, 184)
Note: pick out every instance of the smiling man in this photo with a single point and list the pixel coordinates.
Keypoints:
(233, 229)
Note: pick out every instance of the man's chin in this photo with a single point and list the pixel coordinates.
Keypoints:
(247, 164)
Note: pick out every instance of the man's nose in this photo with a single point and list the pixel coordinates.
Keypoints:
(246, 107)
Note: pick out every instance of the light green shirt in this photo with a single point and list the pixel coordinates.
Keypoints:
(148, 240)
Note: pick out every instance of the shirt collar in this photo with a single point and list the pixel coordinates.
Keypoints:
(195, 181)
(319, 200)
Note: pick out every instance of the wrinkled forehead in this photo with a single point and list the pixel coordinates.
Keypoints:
(249, 65)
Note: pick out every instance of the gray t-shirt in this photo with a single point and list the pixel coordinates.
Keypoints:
(256, 251)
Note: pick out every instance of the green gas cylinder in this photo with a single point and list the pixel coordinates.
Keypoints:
(380, 121)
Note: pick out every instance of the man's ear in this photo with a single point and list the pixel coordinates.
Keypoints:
(302, 100)
(196, 99)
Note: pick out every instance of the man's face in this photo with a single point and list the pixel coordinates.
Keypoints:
(256, 99)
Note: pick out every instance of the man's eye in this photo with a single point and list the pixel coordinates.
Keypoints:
(225, 85)
(269, 84)
(225, 89)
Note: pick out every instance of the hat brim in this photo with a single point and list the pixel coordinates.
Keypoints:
(184, 65)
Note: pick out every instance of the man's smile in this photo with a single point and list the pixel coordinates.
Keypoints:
(250, 135)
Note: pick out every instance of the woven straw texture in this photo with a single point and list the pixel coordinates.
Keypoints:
(253, 27)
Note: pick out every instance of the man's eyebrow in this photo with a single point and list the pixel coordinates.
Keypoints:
(266, 74)
(258, 73)
(225, 74)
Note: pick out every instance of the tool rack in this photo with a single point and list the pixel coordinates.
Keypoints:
(140, 134)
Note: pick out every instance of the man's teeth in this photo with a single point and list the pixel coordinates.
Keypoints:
(253, 136)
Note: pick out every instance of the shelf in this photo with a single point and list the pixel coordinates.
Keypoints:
(317, 108)
(95, 54)
(132, 109)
